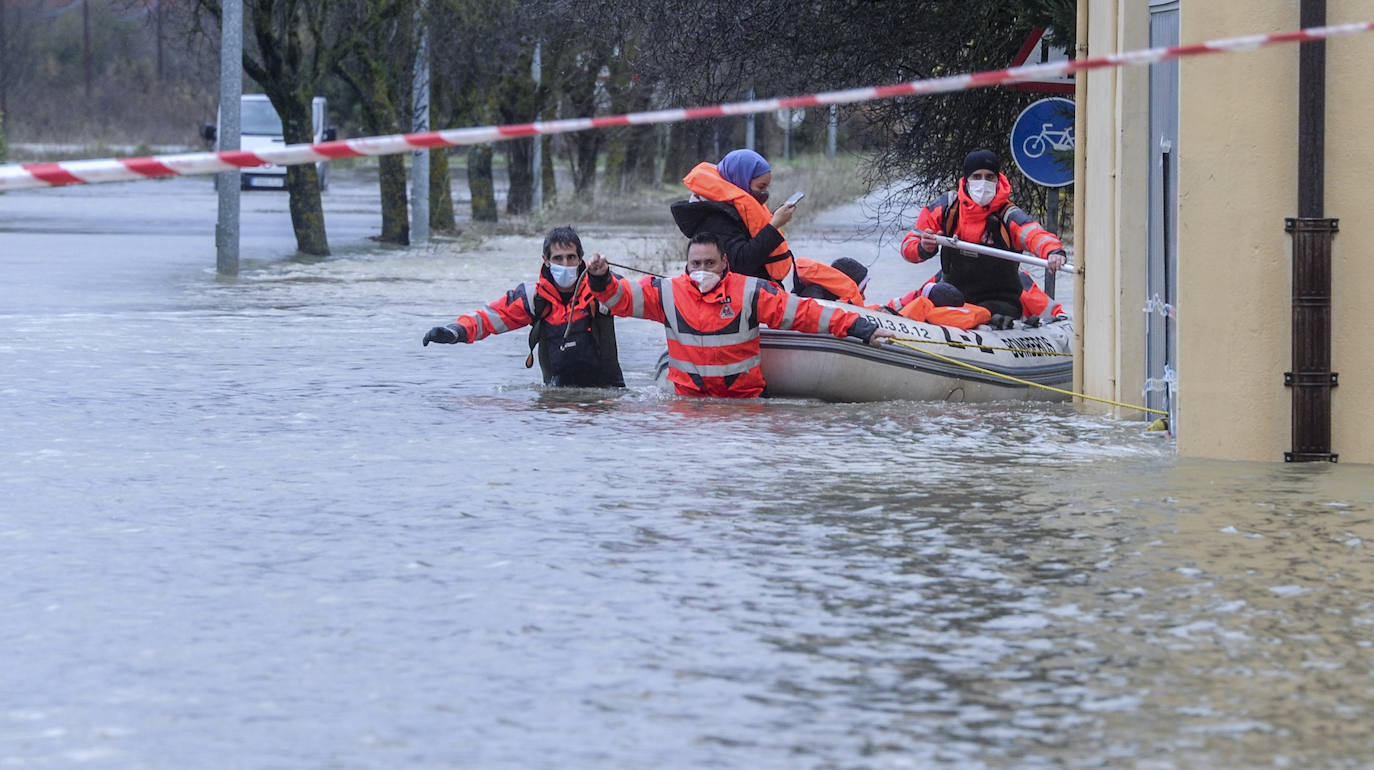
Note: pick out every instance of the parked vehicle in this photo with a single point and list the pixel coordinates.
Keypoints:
(260, 129)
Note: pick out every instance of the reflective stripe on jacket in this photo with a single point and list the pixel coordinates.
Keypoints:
(713, 338)
(516, 309)
(706, 181)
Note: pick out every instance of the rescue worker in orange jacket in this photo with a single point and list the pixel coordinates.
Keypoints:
(573, 333)
(728, 199)
(981, 211)
(937, 302)
(711, 318)
(947, 307)
(843, 280)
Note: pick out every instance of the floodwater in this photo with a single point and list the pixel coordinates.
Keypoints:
(252, 523)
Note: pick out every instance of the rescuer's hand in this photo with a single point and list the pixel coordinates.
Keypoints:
(598, 265)
(1056, 260)
(881, 337)
(928, 242)
(446, 334)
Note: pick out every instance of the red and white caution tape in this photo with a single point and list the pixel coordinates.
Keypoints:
(17, 176)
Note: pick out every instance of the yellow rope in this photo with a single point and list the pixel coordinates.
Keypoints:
(985, 347)
(1071, 394)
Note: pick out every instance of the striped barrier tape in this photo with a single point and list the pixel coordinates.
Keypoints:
(18, 176)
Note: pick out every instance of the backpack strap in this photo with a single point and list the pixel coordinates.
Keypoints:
(541, 309)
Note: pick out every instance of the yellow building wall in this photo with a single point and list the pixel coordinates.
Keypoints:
(1112, 189)
(1238, 175)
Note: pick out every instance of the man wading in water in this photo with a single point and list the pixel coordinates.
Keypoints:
(573, 333)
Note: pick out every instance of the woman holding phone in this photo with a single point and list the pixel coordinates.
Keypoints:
(728, 199)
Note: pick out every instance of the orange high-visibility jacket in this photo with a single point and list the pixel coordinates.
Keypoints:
(516, 309)
(1034, 300)
(811, 272)
(918, 307)
(1000, 224)
(713, 338)
(706, 181)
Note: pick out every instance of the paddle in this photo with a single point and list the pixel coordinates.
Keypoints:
(979, 248)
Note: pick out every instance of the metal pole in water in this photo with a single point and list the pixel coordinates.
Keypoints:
(537, 152)
(834, 130)
(230, 92)
(1052, 215)
(749, 120)
(419, 179)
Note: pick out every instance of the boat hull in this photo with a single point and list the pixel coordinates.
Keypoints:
(946, 364)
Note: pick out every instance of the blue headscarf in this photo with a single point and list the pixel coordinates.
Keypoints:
(740, 167)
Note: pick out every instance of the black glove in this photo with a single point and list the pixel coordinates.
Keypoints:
(446, 334)
(1001, 321)
(598, 282)
(863, 328)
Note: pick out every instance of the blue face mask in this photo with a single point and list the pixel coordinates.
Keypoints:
(564, 277)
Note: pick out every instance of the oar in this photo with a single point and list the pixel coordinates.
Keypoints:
(979, 248)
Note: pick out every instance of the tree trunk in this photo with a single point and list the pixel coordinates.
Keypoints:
(480, 185)
(546, 173)
(377, 94)
(586, 148)
(391, 180)
(639, 157)
(441, 216)
(303, 181)
(684, 150)
(520, 199)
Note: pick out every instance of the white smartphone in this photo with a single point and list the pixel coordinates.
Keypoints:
(796, 196)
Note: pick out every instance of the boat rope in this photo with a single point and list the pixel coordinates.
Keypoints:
(962, 345)
(637, 270)
(1018, 380)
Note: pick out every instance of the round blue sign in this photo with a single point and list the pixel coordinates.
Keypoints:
(1042, 142)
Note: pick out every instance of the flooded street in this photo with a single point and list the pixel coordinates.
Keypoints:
(250, 522)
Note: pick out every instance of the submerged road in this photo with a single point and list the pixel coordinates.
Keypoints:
(252, 519)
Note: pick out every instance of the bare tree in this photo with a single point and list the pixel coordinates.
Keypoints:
(295, 45)
(378, 71)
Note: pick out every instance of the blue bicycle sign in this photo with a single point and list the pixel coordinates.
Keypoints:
(1042, 142)
(1061, 139)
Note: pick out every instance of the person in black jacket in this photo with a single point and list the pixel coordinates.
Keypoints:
(728, 200)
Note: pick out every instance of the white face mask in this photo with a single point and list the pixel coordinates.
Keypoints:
(565, 277)
(705, 280)
(982, 190)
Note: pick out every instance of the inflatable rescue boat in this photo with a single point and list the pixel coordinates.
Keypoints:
(928, 362)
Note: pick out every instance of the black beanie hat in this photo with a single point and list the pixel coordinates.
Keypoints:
(943, 294)
(852, 268)
(980, 159)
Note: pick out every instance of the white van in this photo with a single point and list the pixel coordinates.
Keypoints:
(260, 129)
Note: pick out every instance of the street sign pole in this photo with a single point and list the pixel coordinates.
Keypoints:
(1042, 144)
